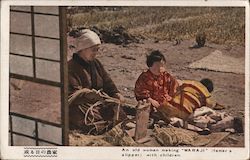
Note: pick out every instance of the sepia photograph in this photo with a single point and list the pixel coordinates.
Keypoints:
(165, 80)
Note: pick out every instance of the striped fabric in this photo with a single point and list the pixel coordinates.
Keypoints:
(190, 95)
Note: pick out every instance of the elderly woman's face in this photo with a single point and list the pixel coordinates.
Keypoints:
(89, 54)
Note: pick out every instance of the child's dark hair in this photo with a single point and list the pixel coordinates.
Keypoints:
(155, 56)
(208, 84)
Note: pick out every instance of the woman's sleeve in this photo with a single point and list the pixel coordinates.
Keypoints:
(142, 90)
(74, 83)
(109, 86)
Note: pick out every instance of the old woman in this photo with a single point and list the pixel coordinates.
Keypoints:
(86, 71)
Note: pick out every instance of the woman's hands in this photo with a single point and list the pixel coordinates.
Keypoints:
(120, 97)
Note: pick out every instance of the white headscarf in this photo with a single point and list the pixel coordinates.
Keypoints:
(86, 40)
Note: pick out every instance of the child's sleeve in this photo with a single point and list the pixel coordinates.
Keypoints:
(142, 89)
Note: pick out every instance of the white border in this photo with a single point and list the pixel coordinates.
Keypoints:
(109, 153)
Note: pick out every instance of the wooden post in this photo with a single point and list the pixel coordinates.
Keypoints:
(116, 114)
(142, 118)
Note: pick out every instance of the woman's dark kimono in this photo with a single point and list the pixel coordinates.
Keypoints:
(91, 75)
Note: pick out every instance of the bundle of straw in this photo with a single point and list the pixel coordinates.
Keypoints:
(79, 93)
(107, 98)
(91, 115)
